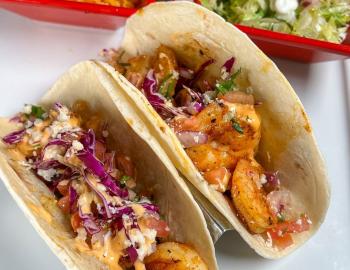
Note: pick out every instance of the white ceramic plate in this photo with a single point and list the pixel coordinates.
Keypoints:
(33, 55)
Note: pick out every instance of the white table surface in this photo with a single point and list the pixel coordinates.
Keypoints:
(34, 54)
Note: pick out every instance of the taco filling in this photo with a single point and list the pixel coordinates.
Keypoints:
(217, 122)
(71, 151)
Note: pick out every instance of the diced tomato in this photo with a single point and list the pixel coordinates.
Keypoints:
(100, 150)
(302, 224)
(281, 240)
(63, 204)
(159, 225)
(281, 234)
(219, 178)
(63, 187)
(75, 221)
(124, 163)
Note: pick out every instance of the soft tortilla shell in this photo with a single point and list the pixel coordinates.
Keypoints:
(89, 82)
(288, 144)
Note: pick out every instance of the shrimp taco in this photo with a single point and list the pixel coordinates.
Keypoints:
(228, 120)
(98, 194)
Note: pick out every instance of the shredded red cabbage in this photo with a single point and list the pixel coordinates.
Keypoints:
(88, 140)
(96, 167)
(58, 142)
(200, 72)
(73, 197)
(157, 100)
(16, 119)
(57, 106)
(150, 207)
(273, 181)
(47, 164)
(89, 223)
(14, 137)
(105, 203)
(150, 88)
(132, 253)
(229, 64)
(195, 107)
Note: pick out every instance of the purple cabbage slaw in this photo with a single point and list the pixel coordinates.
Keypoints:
(92, 223)
(14, 137)
(158, 102)
(187, 79)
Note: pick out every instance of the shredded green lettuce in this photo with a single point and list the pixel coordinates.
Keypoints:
(324, 19)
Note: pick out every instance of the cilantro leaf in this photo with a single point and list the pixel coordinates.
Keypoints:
(229, 84)
(237, 126)
(37, 111)
(124, 179)
(167, 86)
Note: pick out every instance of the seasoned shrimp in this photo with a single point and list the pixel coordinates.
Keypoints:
(207, 158)
(203, 122)
(165, 70)
(165, 63)
(249, 198)
(137, 69)
(244, 132)
(235, 125)
(174, 256)
(218, 178)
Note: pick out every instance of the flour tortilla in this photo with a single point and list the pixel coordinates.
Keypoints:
(288, 144)
(89, 82)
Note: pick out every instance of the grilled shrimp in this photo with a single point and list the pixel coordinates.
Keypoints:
(207, 158)
(235, 125)
(174, 256)
(244, 131)
(249, 198)
(165, 62)
(165, 67)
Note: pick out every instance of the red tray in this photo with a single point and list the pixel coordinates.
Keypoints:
(85, 14)
(69, 12)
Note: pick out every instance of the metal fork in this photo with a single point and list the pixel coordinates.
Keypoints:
(217, 224)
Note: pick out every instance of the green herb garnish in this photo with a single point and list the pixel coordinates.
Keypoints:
(124, 179)
(167, 86)
(237, 126)
(37, 112)
(229, 84)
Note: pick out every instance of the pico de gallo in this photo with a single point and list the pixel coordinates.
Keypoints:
(216, 121)
(71, 151)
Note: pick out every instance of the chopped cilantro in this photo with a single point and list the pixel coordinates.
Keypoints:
(124, 179)
(227, 85)
(237, 126)
(137, 198)
(166, 87)
(37, 111)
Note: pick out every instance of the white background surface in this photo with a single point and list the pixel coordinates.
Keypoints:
(33, 55)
